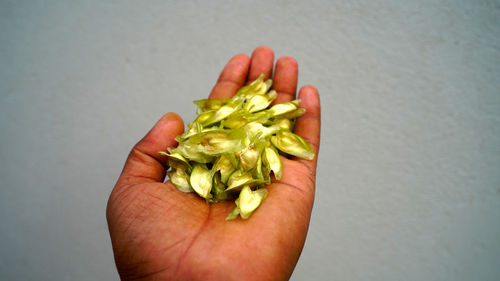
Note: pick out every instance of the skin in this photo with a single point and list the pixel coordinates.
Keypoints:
(160, 233)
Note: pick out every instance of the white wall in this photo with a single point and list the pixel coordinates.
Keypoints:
(408, 182)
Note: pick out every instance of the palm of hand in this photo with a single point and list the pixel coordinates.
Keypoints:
(160, 233)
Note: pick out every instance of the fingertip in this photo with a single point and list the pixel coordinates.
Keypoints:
(241, 57)
(287, 61)
(309, 89)
(237, 63)
(175, 120)
(261, 62)
(263, 49)
(163, 134)
(309, 97)
(172, 115)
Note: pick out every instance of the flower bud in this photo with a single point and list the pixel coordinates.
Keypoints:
(292, 144)
(201, 180)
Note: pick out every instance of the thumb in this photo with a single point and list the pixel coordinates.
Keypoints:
(144, 163)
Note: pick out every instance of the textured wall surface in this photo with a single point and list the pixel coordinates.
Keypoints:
(408, 186)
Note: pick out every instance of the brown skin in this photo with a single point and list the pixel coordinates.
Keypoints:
(160, 233)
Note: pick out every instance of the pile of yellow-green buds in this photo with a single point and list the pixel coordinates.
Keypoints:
(230, 150)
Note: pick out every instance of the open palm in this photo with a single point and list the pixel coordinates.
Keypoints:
(160, 233)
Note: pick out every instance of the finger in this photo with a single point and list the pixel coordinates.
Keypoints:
(285, 79)
(232, 77)
(308, 126)
(144, 163)
(262, 62)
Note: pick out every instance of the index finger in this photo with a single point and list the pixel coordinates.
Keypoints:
(232, 77)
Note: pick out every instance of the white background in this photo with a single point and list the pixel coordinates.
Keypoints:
(408, 185)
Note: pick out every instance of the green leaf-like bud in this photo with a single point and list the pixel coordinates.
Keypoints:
(180, 179)
(292, 144)
(283, 123)
(249, 200)
(214, 142)
(273, 162)
(257, 103)
(249, 157)
(205, 117)
(283, 108)
(210, 104)
(224, 164)
(238, 179)
(201, 180)
(222, 113)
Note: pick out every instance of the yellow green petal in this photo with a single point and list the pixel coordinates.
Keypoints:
(201, 180)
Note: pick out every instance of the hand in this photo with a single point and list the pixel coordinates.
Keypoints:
(160, 233)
